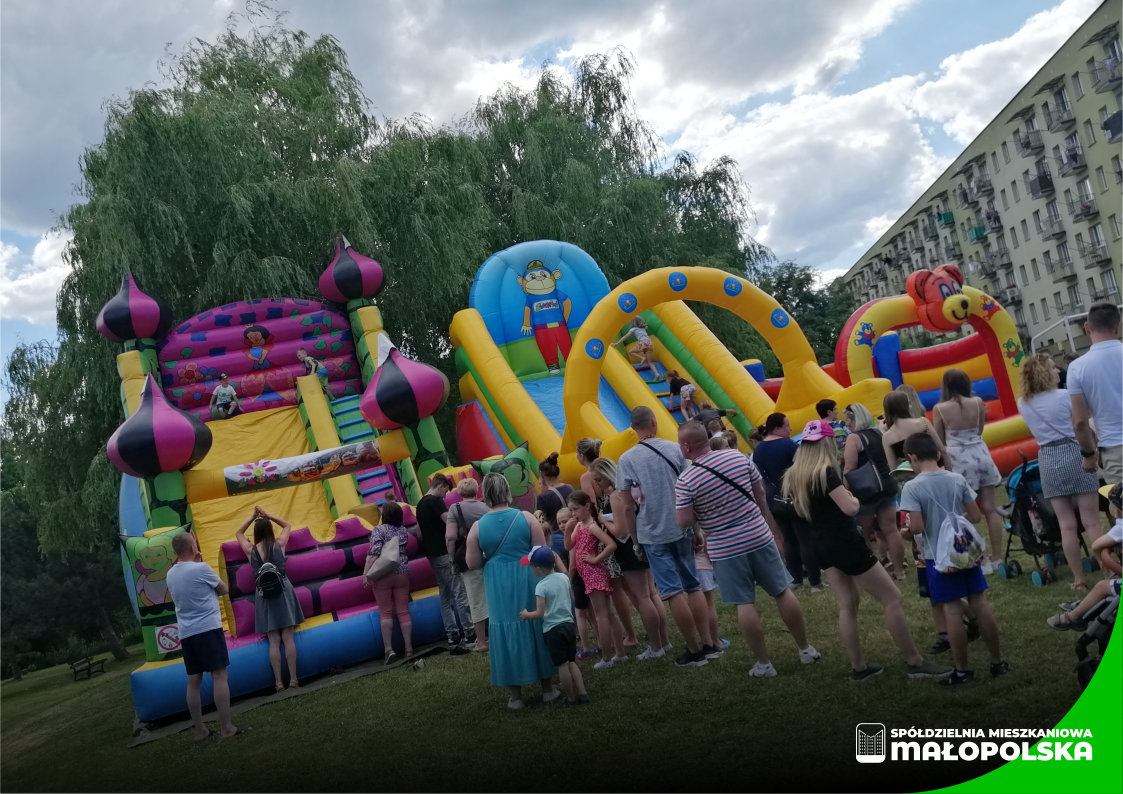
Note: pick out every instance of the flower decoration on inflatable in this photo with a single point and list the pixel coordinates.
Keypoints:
(157, 438)
(402, 391)
(350, 275)
(131, 314)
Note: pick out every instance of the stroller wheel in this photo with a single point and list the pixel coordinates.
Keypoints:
(1015, 568)
(1037, 578)
(1003, 570)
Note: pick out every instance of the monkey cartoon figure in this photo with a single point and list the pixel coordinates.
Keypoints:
(546, 313)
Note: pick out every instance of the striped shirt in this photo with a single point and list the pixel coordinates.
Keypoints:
(733, 524)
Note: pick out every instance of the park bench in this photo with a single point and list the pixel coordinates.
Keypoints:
(87, 667)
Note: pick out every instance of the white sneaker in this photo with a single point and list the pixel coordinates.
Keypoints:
(763, 671)
(603, 664)
(651, 653)
(987, 568)
(666, 647)
(551, 696)
(618, 659)
(514, 704)
(809, 655)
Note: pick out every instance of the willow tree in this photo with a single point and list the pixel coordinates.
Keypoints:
(231, 181)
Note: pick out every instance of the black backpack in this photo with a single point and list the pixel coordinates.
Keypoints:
(270, 581)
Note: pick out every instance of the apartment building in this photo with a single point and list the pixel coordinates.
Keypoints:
(1031, 209)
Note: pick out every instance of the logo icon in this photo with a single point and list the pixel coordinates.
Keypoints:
(869, 743)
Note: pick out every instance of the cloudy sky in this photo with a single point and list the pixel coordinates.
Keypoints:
(839, 112)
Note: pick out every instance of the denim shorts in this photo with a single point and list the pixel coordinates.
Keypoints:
(706, 580)
(944, 587)
(737, 577)
(672, 565)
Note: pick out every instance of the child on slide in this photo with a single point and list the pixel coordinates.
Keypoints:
(684, 390)
(640, 352)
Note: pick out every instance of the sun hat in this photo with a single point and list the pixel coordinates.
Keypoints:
(817, 430)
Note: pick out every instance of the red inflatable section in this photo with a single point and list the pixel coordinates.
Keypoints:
(475, 437)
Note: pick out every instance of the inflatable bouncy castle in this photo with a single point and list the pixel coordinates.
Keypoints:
(331, 419)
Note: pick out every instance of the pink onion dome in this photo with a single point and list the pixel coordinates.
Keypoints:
(131, 314)
(350, 275)
(157, 438)
(402, 391)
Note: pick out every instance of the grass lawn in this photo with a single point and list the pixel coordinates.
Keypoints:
(651, 726)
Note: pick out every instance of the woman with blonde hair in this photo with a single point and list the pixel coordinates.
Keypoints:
(1070, 490)
(959, 417)
(878, 513)
(916, 407)
(638, 583)
(826, 506)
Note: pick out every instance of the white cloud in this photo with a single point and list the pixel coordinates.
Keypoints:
(28, 284)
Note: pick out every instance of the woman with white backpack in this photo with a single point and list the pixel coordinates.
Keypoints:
(277, 610)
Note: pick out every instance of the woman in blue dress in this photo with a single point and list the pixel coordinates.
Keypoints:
(497, 543)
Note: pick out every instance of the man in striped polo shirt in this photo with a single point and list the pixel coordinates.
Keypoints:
(723, 493)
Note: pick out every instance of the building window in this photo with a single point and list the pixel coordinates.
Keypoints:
(1117, 168)
(1014, 236)
(994, 161)
(1089, 135)
(1116, 229)
(1025, 230)
(1074, 298)
(1044, 309)
(1063, 256)
(1101, 178)
(1035, 269)
(1005, 153)
(1014, 190)
(1059, 303)
(1022, 275)
(1032, 316)
(1110, 285)
(1048, 256)
(1096, 232)
(1077, 86)
(1005, 201)
(1019, 316)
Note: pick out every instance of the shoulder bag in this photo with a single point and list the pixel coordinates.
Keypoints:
(866, 482)
(385, 563)
(460, 550)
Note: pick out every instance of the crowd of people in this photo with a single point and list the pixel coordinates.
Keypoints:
(660, 530)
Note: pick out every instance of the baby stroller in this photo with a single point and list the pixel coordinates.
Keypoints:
(1034, 524)
(1099, 622)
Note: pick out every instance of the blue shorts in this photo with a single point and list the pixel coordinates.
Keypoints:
(672, 565)
(738, 576)
(706, 580)
(944, 587)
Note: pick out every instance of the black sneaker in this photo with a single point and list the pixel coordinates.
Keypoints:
(391, 657)
(691, 659)
(973, 632)
(999, 669)
(712, 651)
(866, 673)
(940, 646)
(960, 678)
(458, 650)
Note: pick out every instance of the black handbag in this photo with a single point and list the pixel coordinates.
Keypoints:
(866, 482)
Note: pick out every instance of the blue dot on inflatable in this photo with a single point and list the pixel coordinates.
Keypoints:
(595, 348)
(732, 287)
(780, 318)
(677, 281)
(628, 302)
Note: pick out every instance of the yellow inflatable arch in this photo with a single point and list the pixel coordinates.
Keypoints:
(804, 380)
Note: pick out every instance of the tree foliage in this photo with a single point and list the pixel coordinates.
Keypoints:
(231, 180)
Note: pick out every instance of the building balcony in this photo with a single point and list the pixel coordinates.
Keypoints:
(1094, 255)
(1059, 117)
(966, 197)
(1064, 271)
(1084, 208)
(916, 245)
(946, 219)
(1051, 228)
(984, 187)
(1105, 75)
(1011, 295)
(953, 251)
(1106, 294)
(988, 267)
(1000, 258)
(930, 231)
(994, 220)
(1113, 127)
(1077, 305)
(1029, 143)
(1040, 185)
(1072, 162)
(976, 234)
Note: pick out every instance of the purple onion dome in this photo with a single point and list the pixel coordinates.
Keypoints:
(157, 438)
(402, 391)
(350, 275)
(131, 314)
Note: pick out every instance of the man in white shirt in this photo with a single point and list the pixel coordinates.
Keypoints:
(1095, 385)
